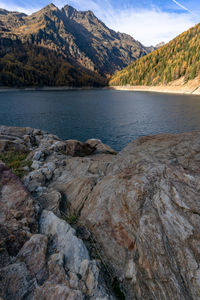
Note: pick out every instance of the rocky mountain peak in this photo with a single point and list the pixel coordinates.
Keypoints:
(47, 9)
(69, 10)
(51, 6)
(79, 37)
(90, 14)
(72, 13)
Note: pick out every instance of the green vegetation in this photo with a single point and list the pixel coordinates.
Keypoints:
(30, 65)
(179, 58)
(71, 217)
(16, 162)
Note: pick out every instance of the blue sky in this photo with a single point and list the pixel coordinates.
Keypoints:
(149, 21)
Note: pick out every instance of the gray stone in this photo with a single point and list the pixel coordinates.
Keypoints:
(36, 165)
(73, 280)
(66, 241)
(39, 155)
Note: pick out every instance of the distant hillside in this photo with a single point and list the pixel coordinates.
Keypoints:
(61, 47)
(179, 58)
(25, 65)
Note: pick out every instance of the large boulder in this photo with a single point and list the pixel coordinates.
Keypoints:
(76, 148)
(145, 216)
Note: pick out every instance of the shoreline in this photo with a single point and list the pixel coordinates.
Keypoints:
(184, 90)
(49, 88)
(160, 89)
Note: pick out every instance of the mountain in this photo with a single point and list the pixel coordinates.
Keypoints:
(62, 47)
(179, 59)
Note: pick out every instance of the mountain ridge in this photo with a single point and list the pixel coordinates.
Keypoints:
(79, 38)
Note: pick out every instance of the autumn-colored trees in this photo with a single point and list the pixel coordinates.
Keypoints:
(180, 57)
(29, 65)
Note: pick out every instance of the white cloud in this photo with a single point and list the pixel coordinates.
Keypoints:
(12, 7)
(149, 26)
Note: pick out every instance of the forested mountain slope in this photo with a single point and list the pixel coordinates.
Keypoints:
(22, 65)
(179, 58)
(61, 47)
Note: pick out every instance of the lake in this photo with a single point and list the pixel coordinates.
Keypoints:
(115, 117)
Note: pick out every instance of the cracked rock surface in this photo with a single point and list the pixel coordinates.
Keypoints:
(141, 209)
(40, 255)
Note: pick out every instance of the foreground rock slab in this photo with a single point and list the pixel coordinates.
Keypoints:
(138, 211)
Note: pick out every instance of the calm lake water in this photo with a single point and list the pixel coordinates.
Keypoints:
(115, 117)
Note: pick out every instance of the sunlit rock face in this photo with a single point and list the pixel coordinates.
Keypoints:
(145, 214)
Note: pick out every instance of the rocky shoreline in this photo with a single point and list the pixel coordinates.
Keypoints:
(160, 89)
(85, 222)
(185, 90)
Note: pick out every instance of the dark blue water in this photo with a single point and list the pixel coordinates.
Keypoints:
(115, 117)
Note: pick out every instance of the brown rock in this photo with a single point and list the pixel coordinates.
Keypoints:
(56, 286)
(100, 147)
(33, 253)
(52, 291)
(17, 222)
(17, 212)
(51, 201)
(76, 148)
(173, 149)
(145, 216)
(77, 191)
(15, 282)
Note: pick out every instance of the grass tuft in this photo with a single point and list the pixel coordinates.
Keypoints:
(16, 162)
(71, 218)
